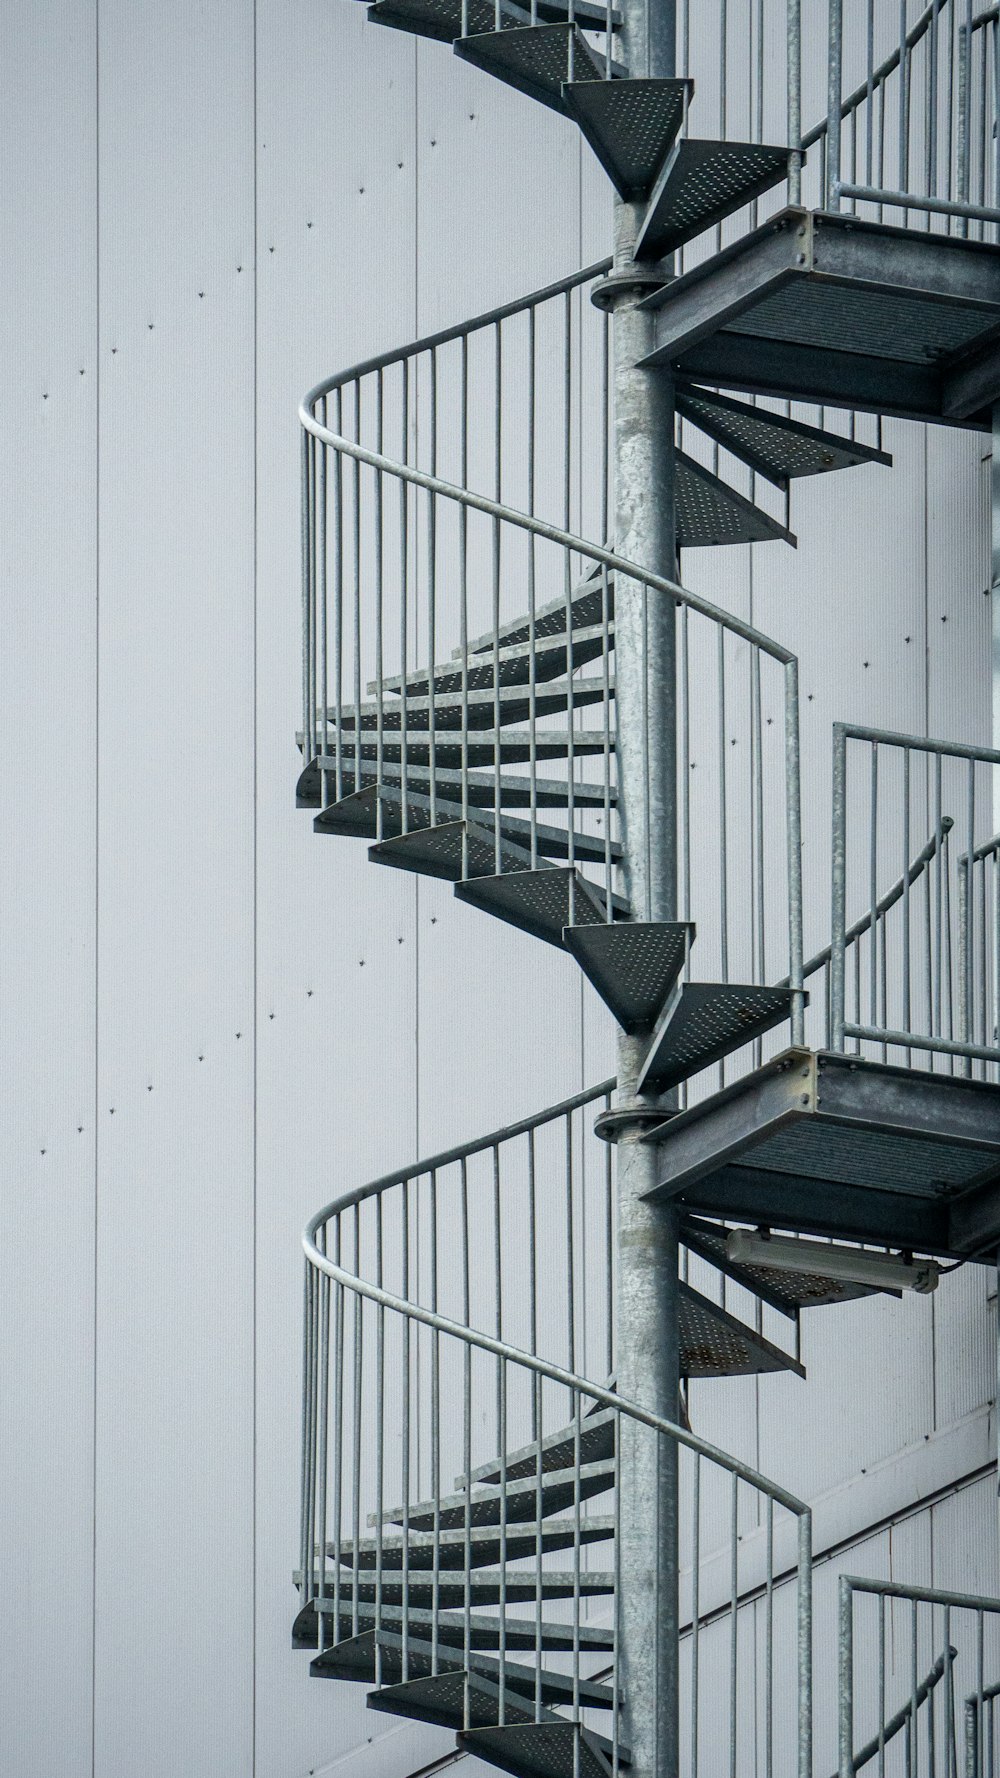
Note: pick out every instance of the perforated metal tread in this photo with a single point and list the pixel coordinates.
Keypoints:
(447, 1549)
(701, 184)
(710, 512)
(630, 124)
(544, 1750)
(450, 710)
(441, 1698)
(787, 1291)
(871, 323)
(536, 60)
(357, 815)
(354, 1659)
(774, 445)
(482, 747)
(596, 1441)
(519, 1633)
(586, 606)
(633, 964)
(542, 902)
(549, 655)
(486, 1586)
(516, 789)
(714, 1343)
(484, 1504)
(703, 1022)
(442, 19)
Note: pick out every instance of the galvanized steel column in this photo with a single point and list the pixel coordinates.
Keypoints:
(995, 602)
(645, 682)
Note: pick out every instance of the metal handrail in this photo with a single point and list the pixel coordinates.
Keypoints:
(881, 74)
(903, 1715)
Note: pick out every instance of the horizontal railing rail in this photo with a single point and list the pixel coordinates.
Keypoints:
(928, 982)
(459, 1480)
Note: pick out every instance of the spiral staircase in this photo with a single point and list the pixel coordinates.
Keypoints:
(481, 1489)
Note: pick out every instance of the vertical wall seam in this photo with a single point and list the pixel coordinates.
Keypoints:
(97, 856)
(254, 921)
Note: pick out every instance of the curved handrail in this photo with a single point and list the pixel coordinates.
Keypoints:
(525, 521)
(880, 75)
(460, 330)
(542, 1367)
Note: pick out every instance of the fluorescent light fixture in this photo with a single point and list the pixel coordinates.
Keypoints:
(851, 1265)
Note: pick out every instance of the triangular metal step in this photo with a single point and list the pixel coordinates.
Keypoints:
(586, 605)
(515, 788)
(541, 902)
(700, 184)
(453, 851)
(633, 964)
(444, 1699)
(451, 710)
(354, 1659)
(515, 663)
(704, 1021)
(544, 1749)
(596, 1441)
(772, 444)
(710, 512)
(714, 1343)
(786, 1291)
(517, 1502)
(630, 124)
(449, 1629)
(442, 19)
(357, 814)
(480, 747)
(447, 1549)
(485, 1586)
(536, 60)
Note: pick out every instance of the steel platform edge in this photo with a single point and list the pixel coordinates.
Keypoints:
(828, 1144)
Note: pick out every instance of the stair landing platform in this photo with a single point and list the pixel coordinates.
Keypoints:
(827, 1144)
(827, 308)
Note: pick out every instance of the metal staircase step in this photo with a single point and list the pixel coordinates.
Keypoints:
(704, 1021)
(357, 814)
(630, 124)
(448, 1549)
(700, 184)
(545, 1750)
(518, 1501)
(710, 512)
(542, 902)
(518, 1634)
(633, 964)
(480, 747)
(714, 1343)
(515, 662)
(537, 60)
(558, 1450)
(772, 444)
(471, 1698)
(817, 307)
(485, 1586)
(451, 710)
(586, 609)
(515, 788)
(787, 1291)
(442, 19)
(453, 851)
(354, 1659)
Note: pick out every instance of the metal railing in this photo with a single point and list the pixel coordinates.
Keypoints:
(460, 1471)
(910, 133)
(887, 1634)
(924, 977)
(510, 743)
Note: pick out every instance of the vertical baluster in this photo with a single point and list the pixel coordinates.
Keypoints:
(324, 674)
(757, 819)
(501, 1423)
(695, 1605)
(338, 598)
(466, 1434)
(432, 595)
(356, 532)
(964, 115)
(304, 1492)
(497, 483)
(873, 795)
(463, 596)
(734, 1546)
(379, 599)
(307, 591)
(609, 1252)
(404, 588)
(405, 1429)
(907, 982)
(357, 1389)
(338, 1433)
(568, 579)
(834, 101)
(723, 821)
(532, 662)
(913, 1746)
(903, 119)
(794, 99)
(379, 1441)
(769, 1642)
(435, 1432)
(323, 1406)
(881, 1685)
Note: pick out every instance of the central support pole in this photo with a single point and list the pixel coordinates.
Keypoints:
(645, 687)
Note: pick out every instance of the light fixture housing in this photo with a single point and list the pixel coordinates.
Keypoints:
(851, 1265)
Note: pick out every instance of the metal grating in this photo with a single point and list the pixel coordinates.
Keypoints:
(708, 1020)
(884, 1158)
(597, 1440)
(481, 747)
(787, 1291)
(714, 1343)
(536, 60)
(357, 815)
(441, 1698)
(483, 1507)
(485, 1586)
(586, 605)
(702, 183)
(873, 323)
(439, 852)
(541, 902)
(709, 512)
(544, 1750)
(777, 447)
(515, 664)
(486, 1546)
(630, 125)
(519, 1633)
(442, 19)
(452, 710)
(633, 964)
(515, 790)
